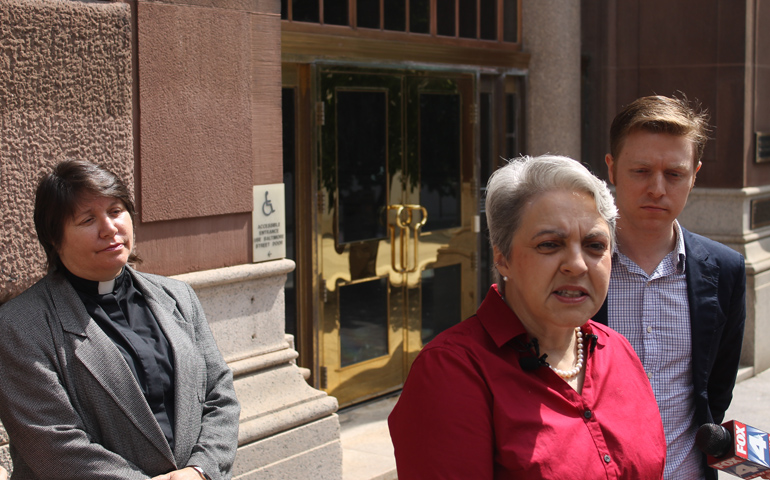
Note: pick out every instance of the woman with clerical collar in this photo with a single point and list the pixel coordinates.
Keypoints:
(106, 372)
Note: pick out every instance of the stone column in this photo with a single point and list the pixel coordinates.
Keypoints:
(55, 105)
(551, 34)
(288, 429)
(730, 216)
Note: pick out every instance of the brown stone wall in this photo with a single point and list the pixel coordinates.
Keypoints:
(760, 80)
(195, 122)
(209, 119)
(634, 48)
(266, 97)
(65, 92)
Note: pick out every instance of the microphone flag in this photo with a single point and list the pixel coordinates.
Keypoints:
(749, 452)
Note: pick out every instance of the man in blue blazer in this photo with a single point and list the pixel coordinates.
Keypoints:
(678, 297)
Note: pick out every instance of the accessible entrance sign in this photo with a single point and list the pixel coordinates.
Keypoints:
(268, 223)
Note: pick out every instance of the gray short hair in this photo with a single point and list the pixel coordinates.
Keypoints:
(513, 185)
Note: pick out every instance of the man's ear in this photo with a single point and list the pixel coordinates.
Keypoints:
(611, 167)
(697, 169)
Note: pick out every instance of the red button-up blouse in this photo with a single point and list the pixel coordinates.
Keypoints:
(469, 411)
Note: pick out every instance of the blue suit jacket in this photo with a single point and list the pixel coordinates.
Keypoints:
(716, 293)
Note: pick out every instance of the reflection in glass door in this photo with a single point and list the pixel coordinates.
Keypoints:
(396, 214)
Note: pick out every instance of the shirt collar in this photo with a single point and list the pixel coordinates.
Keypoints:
(501, 323)
(91, 287)
(679, 250)
(498, 319)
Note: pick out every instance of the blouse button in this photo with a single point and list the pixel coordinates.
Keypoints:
(587, 414)
(607, 459)
(649, 329)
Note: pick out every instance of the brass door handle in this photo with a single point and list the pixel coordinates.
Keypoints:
(405, 225)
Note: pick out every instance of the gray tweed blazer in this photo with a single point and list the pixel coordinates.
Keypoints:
(73, 409)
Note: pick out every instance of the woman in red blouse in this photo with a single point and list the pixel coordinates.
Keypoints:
(529, 387)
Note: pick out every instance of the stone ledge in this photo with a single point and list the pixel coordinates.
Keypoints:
(263, 361)
(275, 422)
(236, 274)
(286, 447)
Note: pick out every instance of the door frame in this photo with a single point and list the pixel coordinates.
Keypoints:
(303, 78)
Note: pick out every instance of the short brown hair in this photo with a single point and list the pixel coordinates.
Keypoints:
(660, 114)
(57, 197)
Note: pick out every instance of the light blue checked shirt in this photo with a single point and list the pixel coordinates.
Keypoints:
(652, 312)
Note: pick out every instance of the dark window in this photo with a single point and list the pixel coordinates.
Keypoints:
(336, 12)
(488, 18)
(461, 19)
(395, 15)
(305, 11)
(419, 16)
(368, 13)
(510, 20)
(445, 18)
(467, 18)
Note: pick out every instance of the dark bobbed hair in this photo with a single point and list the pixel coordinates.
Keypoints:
(660, 114)
(59, 193)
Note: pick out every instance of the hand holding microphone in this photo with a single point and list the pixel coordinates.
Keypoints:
(735, 448)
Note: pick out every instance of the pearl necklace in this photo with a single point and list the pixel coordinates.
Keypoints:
(571, 373)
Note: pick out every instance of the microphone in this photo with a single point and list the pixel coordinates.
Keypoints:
(530, 364)
(592, 339)
(735, 448)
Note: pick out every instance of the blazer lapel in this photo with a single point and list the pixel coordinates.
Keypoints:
(179, 334)
(100, 356)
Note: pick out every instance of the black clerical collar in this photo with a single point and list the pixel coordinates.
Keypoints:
(91, 287)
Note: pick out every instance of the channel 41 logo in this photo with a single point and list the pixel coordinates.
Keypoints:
(751, 444)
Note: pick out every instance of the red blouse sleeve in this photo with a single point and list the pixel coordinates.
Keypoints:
(441, 426)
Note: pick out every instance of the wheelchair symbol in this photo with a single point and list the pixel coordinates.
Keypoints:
(267, 207)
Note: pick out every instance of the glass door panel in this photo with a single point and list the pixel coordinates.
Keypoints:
(363, 315)
(360, 163)
(362, 149)
(396, 212)
(440, 300)
(440, 149)
(439, 159)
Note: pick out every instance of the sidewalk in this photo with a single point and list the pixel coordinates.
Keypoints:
(367, 453)
(751, 402)
(751, 405)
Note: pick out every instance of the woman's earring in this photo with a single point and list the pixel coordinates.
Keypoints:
(505, 279)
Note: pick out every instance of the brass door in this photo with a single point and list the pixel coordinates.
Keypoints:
(397, 208)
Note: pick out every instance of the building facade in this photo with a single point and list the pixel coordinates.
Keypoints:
(381, 122)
